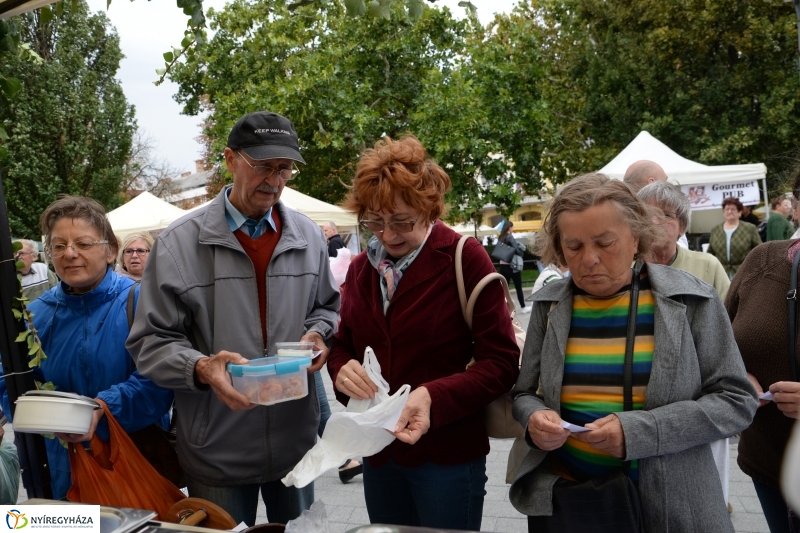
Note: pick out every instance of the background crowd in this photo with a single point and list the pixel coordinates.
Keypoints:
(628, 338)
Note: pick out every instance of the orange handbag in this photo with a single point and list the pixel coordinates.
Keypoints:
(115, 474)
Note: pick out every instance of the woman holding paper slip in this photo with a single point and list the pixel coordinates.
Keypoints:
(403, 303)
(638, 353)
(759, 314)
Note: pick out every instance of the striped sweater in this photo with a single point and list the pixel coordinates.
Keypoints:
(593, 373)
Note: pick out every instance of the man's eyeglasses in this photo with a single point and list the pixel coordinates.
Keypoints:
(378, 226)
(127, 252)
(267, 172)
(20, 254)
(54, 251)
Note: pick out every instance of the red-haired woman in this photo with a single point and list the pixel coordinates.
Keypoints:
(403, 302)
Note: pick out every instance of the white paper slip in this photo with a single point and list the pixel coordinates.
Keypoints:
(573, 428)
(766, 396)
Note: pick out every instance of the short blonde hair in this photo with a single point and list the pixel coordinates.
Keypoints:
(588, 191)
(146, 237)
(398, 166)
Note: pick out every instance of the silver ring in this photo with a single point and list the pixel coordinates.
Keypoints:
(345, 379)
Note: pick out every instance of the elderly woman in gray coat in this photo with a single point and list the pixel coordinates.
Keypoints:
(689, 386)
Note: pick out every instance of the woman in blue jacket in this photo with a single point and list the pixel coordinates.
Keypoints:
(83, 324)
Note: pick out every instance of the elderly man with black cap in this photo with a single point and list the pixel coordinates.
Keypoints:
(223, 285)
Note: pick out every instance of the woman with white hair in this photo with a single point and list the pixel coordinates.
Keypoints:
(672, 215)
(673, 206)
(133, 255)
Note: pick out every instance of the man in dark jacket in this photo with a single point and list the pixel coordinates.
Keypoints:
(334, 240)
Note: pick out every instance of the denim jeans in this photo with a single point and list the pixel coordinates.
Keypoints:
(241, 501)
(324, 406)
(774, 506)
(437, 496)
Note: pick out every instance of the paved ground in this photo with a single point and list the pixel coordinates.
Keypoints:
(346, 508)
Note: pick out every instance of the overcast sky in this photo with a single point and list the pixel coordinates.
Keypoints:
(147, 29)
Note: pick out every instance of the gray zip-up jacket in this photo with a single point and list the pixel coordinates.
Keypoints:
(698, 393)
(198, 297)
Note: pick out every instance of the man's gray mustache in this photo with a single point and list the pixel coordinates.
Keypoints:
(268, 188)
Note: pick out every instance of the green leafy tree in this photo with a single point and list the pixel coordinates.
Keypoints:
(487, 122)
(717, 82)
(72, 131)
(343, 84)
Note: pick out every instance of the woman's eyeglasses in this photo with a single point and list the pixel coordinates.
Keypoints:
(378, 226)
(127, 252)
(54, 251)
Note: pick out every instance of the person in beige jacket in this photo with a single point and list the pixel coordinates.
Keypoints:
(675, 208)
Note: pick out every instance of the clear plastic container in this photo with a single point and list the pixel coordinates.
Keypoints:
(271, 380)
(295, 349)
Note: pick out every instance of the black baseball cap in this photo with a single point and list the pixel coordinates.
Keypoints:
(263, 135)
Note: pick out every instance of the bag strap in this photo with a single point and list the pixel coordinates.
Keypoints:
(627, 378)
(129, 308)
(462, 293)
(791, 299)
(468, 306)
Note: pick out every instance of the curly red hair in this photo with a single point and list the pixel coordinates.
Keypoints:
(398, 167)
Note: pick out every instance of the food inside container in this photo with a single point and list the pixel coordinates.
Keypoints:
(271, 380)
(53, 412)
(295, 349)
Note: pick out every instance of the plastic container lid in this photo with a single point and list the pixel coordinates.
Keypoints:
(266, 366)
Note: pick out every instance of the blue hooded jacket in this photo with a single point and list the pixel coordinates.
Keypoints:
(83, 336)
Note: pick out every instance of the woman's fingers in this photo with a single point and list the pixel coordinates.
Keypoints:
(545, 430)
(353, 381)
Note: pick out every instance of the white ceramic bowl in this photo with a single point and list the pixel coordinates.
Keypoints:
(62, 413)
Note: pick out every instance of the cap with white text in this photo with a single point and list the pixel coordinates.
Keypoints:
(263, 135)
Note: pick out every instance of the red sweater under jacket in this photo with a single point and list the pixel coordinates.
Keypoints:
(423, 340)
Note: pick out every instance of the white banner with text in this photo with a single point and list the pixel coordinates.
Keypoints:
(711, 196)
(63, 518)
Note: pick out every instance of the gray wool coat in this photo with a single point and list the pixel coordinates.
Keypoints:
(698, 393)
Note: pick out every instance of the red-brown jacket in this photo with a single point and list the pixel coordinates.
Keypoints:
(423, 340)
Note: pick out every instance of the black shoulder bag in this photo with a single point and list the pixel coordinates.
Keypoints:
(608, 504)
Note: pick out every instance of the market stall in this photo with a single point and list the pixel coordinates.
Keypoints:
(144, 213)
(706, 186)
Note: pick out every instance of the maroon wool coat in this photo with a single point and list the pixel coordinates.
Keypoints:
(423, 340)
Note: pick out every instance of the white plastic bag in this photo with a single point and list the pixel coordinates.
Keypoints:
(314, 520)
(340, 264)
(360, 431)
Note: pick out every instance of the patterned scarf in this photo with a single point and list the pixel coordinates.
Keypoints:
(389, 271)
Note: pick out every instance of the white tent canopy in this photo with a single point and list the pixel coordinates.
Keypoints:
(680, 170)
(685, 172)
(144, 213)
(317, 210)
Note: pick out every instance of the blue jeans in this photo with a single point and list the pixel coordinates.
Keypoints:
(774, 506)
(241, 501)
(324, 406)
(437, 496)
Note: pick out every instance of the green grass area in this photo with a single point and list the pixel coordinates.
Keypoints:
(530, 274)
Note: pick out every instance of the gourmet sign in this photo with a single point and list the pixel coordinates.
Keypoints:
(711, 196)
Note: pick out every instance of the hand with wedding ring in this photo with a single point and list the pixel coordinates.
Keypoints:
(353, 381)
